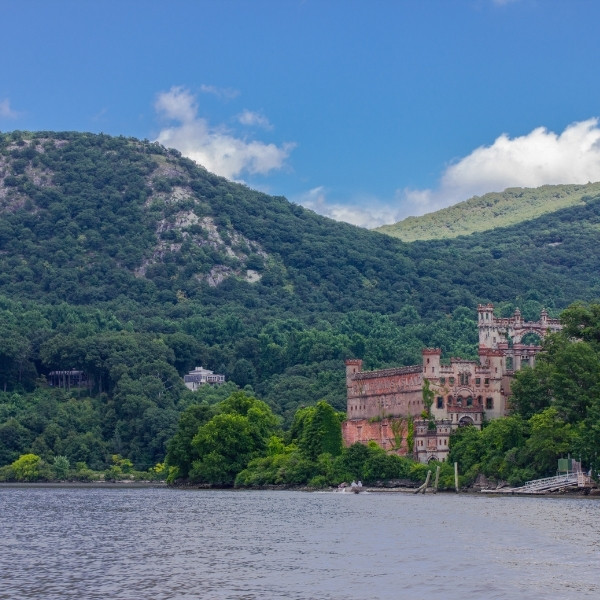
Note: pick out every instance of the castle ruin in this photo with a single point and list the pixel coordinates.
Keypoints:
(382, 405)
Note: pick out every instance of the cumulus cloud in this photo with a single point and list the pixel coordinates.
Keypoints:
(254, 119)
(216, 148)
(6, 111)
(365, 212)
(541, 157)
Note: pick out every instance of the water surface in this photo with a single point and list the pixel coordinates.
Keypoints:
(122, 544)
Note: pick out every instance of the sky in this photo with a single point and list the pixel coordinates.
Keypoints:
(363, 111)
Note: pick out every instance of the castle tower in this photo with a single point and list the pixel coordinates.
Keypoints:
(431, 362)
(353, 366)
(486, 325)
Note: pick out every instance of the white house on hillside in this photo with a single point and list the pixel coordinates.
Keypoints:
(200, 376)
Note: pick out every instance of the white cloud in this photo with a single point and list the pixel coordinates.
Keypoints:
(177, 104)
(6, 111)
(368, 212)
(541, 157)
(254, 119)
(216, 148)
(223, 93)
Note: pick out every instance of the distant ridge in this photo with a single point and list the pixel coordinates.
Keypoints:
(482, 213)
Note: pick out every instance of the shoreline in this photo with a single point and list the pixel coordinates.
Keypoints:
(126, 484)
(83, 484)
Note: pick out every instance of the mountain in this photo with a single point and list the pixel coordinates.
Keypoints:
(483, 213)
(132, 264)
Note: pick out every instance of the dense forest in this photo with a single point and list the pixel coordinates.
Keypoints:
(124, 260)
(490, 211)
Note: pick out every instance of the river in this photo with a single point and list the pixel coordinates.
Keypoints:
(157, 543)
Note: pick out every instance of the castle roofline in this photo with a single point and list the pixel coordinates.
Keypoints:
(388, 372)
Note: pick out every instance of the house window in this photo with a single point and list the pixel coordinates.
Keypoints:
(451, 380)
(489, 403)
(487, 381)
(477, 380)
(440, 402)
(442, 380)
(469, 401)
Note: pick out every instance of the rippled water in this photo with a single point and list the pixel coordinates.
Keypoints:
(115, 543)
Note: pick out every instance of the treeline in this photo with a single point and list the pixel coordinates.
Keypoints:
(225, 436)
(134, 392)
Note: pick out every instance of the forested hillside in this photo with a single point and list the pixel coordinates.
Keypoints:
(122, 259)
(490, 211)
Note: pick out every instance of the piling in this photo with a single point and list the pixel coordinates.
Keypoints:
(437, 479)
(456, 476)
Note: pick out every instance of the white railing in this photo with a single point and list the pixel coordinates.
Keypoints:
(548, 483)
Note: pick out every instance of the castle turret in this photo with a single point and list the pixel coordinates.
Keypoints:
(485, 313)
(431, 362)
(353, 366)
(486, 325)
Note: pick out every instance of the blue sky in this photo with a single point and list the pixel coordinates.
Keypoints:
(363, 111)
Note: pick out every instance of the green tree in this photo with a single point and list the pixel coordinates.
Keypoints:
(231, 439)
(550, 439)
(317, 429)
(531, 390)
(27, 467)
(61, 466)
